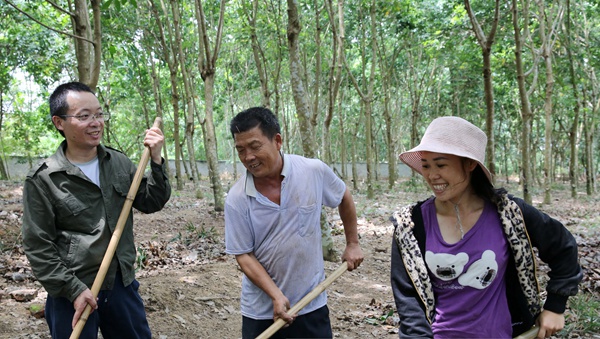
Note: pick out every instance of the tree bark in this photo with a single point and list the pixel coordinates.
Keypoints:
(342, 138)
(317, 74)
(190, 94)
(486, 43)
(526, 115)
(590, 122)
(299, 93)
(367, 100)
(3, 167)
(88, 55)
(306, 119)
(573, 135)
(335, 74)
(170, 57)
(387, 71)
(207, 60)
(546, 37)
(257, 53)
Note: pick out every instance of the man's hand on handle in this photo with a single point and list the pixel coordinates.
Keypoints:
(280, 307)
(86, 297)
(353, 254)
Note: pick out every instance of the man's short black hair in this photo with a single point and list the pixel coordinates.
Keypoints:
(58, 98)
(253, 117)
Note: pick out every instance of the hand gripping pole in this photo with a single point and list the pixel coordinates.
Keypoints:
(279, 323)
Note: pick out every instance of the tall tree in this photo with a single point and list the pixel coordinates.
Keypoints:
(3, 167)
(418, 77)
(590, 125)
(548, 32)
(591, 116)
(573, 131)
(317, 74)
(88, 55)
(188, 87)
(387, 65)
(300, 95)
(335, 72)
(169, 56)
(207, 65)
(306, 118)
(526, 114)
(486, 43)
(366, 95)
(387, 54)
(258, 54)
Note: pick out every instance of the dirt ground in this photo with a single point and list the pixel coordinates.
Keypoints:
(191, 287)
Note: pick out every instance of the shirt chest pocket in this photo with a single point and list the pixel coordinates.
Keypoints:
(308, 218)
(122, 187)
(70, 212)
(72, 205)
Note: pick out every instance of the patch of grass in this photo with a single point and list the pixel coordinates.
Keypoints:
(176, 237)
(381, 320)
(204, 233)
(201, 232)
(190, 227)
(584, 316)
(141, 259)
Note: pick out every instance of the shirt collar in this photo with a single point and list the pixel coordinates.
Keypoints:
(251, 189)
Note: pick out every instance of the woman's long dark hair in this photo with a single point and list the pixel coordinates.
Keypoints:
(483, 187)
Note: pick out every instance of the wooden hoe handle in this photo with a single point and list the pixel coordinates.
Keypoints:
(279, 323)
(116, 236)
(529, 334)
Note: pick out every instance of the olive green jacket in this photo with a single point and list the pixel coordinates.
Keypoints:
(68, 220)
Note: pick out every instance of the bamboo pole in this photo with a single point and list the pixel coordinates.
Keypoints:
(116, 236)
(529, 334)
(279, 323)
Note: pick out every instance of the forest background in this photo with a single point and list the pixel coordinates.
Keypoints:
(352, 82)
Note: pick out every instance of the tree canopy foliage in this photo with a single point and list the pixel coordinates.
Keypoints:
(369, 77)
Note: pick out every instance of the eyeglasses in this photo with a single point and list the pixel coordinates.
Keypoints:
(100, 116)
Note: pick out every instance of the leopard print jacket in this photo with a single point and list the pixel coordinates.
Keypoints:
(514, 228)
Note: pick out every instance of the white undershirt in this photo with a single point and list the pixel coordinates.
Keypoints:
(91, 169)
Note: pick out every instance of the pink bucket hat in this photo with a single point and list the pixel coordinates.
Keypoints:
(450, 135)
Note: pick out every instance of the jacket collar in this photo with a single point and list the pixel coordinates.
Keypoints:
(58, 162)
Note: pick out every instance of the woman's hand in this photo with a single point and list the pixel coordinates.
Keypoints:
(549, 323)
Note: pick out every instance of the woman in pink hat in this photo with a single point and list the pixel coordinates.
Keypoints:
(463, 264)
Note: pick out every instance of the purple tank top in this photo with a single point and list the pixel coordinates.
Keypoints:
(469, 278)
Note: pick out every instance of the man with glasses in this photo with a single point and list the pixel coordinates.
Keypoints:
(72, 201)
